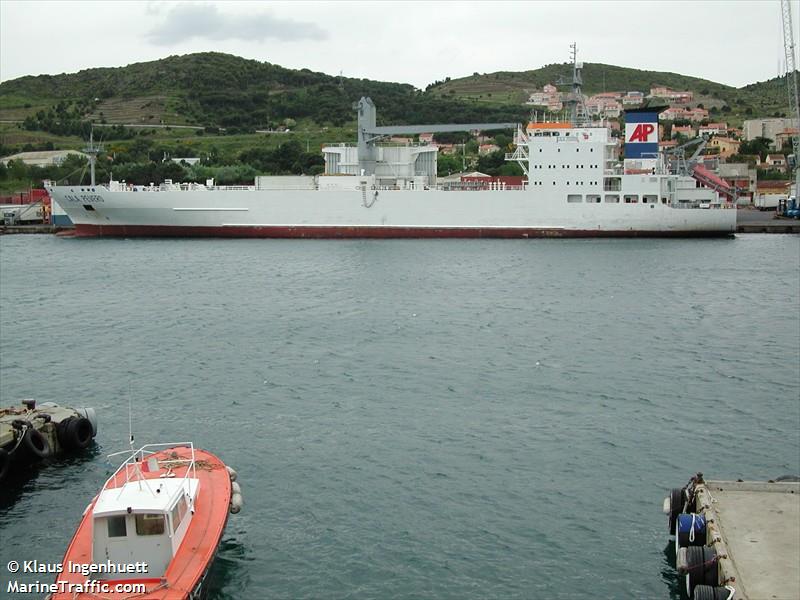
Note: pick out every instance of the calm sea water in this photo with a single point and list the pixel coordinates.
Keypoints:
(413, 419)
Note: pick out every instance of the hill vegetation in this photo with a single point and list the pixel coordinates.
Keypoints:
(210, 105)
(762, 99)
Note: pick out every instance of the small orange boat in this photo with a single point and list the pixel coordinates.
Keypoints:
(153, 530)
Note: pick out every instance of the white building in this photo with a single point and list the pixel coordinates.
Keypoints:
(768, 128)
(44, 158)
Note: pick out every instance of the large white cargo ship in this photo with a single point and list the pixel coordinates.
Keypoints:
(576, 185)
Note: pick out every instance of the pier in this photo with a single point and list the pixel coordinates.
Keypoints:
(29, 433)
(737, 540)
(755, 529)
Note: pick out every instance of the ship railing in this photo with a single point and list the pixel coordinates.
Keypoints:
(132, 466)
(231, 187)
(694, 204)
(478, 186)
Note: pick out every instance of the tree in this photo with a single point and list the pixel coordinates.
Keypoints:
(446, 164)
(759, 146)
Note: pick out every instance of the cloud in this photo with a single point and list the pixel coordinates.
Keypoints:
(187, 21)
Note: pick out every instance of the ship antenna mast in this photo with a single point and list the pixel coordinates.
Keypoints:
(578, 114)
(92, 151)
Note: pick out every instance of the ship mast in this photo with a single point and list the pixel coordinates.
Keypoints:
(92, 151)
(577, 107)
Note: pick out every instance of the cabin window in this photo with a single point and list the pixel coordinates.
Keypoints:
(88, 207)
(593, 198)
(631, 198)
(149, 524)
(178, 513)
(116, 526)
(650, 199)
(574, 198)
(612, 198)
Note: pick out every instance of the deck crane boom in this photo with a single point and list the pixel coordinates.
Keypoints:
(791, 83)
(369, 133)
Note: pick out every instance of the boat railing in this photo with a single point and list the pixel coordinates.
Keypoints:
(132, 466)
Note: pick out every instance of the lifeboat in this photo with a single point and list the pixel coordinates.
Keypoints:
(153, 530)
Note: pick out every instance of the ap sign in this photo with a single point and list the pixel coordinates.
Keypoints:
(641, 135)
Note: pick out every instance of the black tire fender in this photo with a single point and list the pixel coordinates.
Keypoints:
(702, 568)
(676, 500)
(61, 432)
(5, 463)
(707, 592)
(75, 433)
(36, 443)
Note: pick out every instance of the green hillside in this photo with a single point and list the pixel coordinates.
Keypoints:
(243, 117)
(220, 90)
(763, 99)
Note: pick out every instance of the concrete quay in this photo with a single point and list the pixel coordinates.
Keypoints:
(754, 527)
(755, 221)
(11, 229)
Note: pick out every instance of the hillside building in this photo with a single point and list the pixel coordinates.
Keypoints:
(775, 162)
(671, 95)
(44, 158)
(726, 146)
(767, 128)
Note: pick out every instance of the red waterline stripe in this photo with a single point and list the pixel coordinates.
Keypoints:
(346, 232)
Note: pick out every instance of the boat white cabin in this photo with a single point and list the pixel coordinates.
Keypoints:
(143, 512)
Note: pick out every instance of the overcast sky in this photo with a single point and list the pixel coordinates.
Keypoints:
(735, 42)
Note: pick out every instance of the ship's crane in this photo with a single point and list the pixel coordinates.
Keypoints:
(684, 166)
(369, 133)
(791, 84)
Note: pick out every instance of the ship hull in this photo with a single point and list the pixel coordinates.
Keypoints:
(367, 214)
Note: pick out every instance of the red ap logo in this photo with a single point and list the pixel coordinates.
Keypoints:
(642, 132)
